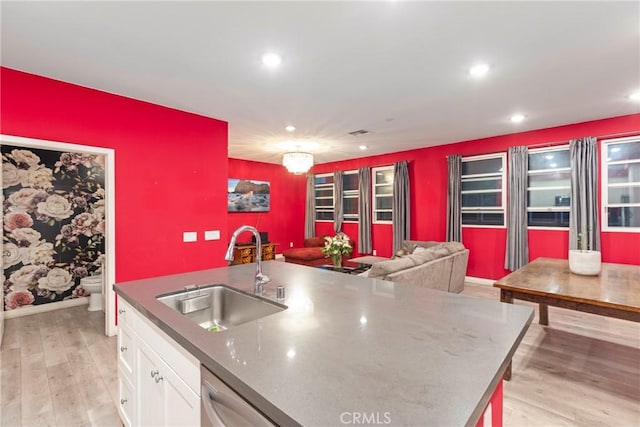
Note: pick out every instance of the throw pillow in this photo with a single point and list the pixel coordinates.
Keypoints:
(409, 246)
(401, 253)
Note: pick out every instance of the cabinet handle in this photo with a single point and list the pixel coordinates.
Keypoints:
(154, 373)
(158, 379)
(123, 349)
(123, 401)
(122, 311)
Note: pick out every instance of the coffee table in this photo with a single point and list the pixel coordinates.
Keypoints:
(548, 281)
(349, 267)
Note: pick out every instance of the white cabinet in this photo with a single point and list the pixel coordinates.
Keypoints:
(165, 400)
(126, 402)
(159, 381)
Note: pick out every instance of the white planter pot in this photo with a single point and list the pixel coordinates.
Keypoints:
(587, 263)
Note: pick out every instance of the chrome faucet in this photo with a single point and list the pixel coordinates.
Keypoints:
(260, 279)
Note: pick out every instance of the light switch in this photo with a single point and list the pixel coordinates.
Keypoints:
(212, 235)
(190, 236)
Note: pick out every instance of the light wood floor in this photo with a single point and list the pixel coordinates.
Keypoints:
(581, 370)
(59, 369)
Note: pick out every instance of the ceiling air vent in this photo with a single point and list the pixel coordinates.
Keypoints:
(358, 132)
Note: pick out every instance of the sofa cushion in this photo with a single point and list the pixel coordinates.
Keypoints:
(421, 255)
(314, 242)
(453, 247)
(411, 245)
(383, 268)
(304, 253)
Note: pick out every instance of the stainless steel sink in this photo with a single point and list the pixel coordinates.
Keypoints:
(219, 307)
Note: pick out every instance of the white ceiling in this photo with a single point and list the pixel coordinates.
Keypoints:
(397, 69)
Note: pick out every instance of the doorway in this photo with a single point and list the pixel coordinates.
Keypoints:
(79, 158)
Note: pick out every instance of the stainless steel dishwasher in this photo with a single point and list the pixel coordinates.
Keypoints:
(223, 407)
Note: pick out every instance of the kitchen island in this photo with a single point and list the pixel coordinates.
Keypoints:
(348, 345)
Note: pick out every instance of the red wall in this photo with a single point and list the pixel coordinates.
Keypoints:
(285, 220)
(428, 175)
(171, 168)
(171, 177)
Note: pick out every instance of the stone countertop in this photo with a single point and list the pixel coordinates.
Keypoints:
(348, 344)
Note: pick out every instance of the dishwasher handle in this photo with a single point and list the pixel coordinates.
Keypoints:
(239, 412)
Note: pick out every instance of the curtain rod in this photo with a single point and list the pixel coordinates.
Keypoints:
(611, 135)
(554, 143)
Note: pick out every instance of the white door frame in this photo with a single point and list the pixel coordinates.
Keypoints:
(110, 327)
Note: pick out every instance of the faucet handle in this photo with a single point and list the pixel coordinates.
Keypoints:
(260, 281)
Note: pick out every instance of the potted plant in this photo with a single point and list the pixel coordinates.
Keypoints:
(335, 247)
(583, 260)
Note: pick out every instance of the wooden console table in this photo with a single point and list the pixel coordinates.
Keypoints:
(548, 281)
(246, 253)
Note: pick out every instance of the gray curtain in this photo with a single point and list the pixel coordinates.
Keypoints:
(310, 208)
(454, 199)
(517, 251)
(584, 224)
(364, 210)
(401, 200)
(337, 201)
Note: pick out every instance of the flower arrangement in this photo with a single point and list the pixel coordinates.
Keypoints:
(337, 246)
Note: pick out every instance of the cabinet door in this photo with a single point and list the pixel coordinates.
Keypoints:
(268, 252)
(149, 393)
(164, 399)
(181, 405)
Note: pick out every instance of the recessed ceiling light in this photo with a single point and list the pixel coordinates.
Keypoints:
(479, 70)
(549, 156)
(271, 59)
(290, 128)
(517, 118)
(635, 96)
(363, 147)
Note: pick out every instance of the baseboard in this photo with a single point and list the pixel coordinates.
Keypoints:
(43, 308)
(479, 281)
(279, 257)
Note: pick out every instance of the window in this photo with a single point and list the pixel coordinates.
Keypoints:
(483, 196)
(324, 197)
(350, 196)
(621, 184)
(382, 194)
(549, 187)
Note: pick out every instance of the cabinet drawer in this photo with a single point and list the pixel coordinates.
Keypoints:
(126, 314)
(125, 400)
(126, 350)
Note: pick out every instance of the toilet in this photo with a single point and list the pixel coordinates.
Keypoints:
(94, 286)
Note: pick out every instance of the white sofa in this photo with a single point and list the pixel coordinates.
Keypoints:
(435, 265)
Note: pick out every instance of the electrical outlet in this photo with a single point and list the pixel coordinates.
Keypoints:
(212, 235)
(290, 244)
(375, 252)
(190, 236)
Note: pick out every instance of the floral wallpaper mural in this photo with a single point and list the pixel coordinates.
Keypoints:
(53, 224)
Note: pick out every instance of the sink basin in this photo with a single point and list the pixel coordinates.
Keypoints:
(219, 307)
